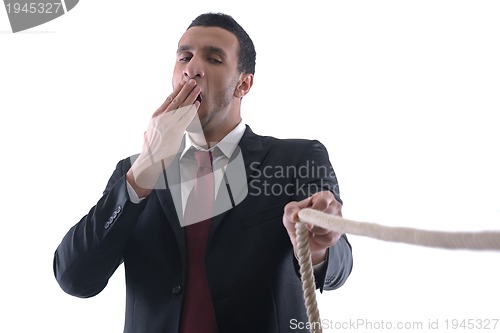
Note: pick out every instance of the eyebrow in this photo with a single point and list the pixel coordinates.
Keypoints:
(208, 49)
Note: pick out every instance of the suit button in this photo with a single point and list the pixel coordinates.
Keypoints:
(176, 290)
(108, 222)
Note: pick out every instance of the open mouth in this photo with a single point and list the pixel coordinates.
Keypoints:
(199, 98)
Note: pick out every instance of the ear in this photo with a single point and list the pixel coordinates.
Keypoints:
(244, 84)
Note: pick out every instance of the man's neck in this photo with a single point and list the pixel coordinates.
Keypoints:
(208, 139)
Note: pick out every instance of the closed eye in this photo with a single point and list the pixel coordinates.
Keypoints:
(214, 61)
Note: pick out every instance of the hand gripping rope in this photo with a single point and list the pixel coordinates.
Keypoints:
(486, 240)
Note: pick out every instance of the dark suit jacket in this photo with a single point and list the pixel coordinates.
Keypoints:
(252, 271)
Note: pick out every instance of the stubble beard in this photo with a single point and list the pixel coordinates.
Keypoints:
(222, 102)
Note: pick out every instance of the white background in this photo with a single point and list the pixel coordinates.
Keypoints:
(404, 94)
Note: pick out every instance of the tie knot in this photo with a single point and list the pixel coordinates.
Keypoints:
(203, 159)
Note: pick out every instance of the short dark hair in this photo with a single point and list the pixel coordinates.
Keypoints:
(247, 54)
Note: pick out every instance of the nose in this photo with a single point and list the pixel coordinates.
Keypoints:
(194, 69)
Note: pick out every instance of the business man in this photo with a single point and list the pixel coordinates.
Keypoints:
(191, 269)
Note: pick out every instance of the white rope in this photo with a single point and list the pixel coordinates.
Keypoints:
(307, 277)
(485, 240)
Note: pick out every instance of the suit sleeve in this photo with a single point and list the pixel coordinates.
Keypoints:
(316, 174)
(92, 249)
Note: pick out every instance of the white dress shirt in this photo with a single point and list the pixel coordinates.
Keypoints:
(221, 154)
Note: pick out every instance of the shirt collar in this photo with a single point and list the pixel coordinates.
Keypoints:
(227, 145)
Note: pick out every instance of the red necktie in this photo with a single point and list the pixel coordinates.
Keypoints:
(197, 311)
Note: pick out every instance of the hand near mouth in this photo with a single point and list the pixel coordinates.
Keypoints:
(163, 136)
(184, 94)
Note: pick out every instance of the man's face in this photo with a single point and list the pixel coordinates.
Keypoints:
(209, 55)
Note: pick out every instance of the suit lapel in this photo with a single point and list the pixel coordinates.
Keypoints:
(252, 151)
(169, 196)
